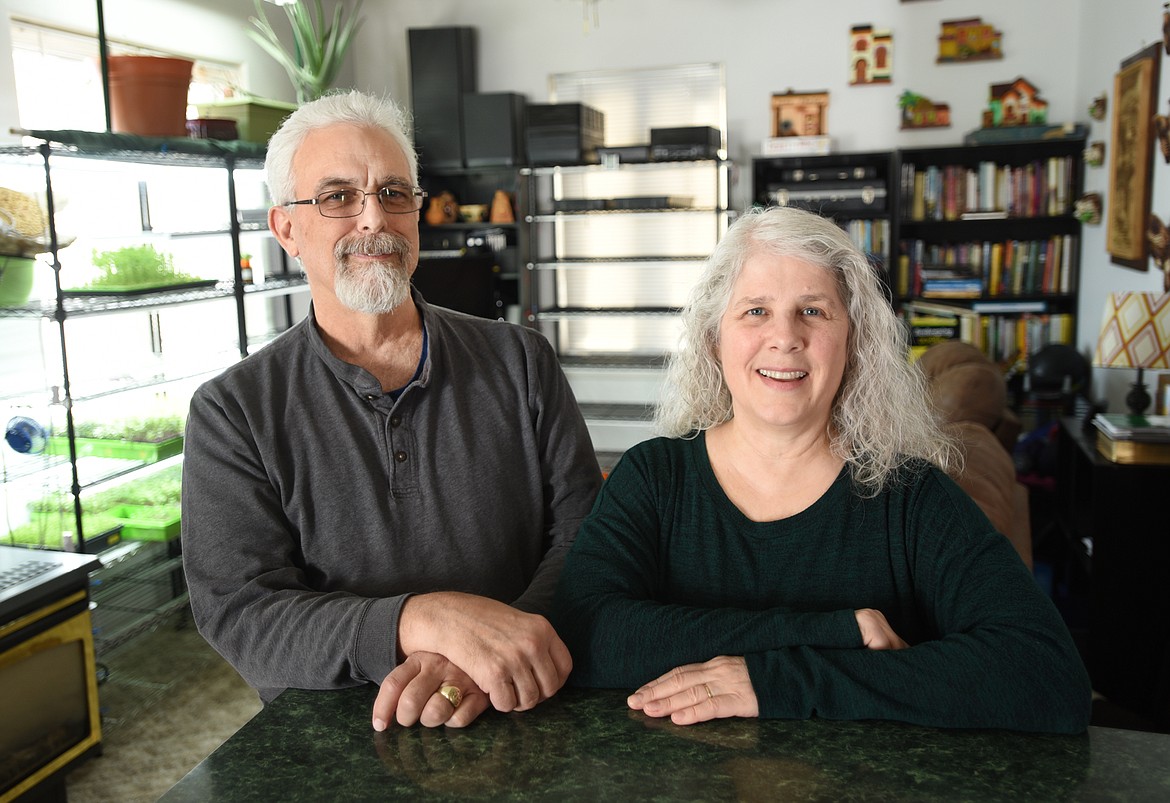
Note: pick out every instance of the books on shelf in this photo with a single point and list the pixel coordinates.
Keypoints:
(1140, 428)
(1001, 335)
(1040, 188)
(1137, 452)
(1008, 268)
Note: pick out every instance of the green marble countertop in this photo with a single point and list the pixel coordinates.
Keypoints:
(586, 745)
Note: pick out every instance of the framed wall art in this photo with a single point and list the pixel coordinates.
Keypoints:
(1135, 89)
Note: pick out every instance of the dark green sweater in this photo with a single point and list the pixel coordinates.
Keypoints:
(667, 571)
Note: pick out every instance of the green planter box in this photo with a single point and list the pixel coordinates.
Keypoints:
(148, 522)
(126, 450)
(256, 119)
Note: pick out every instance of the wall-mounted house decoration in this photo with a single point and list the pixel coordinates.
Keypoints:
(1016, 102)
(1158, 238)
(1095, 154)
(1087, 208)
(1161, 125)
(871, 57)
(1097, 107)
(800, 114)
(969, 39)
(921, 112)
(1166, 27)
(1135, 89)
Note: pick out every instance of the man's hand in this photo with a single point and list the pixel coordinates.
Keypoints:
(410, 694)
(876, 632)
(694, 693)
(516, 658)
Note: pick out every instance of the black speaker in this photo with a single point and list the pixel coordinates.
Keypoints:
(442, 70)
(493, 128)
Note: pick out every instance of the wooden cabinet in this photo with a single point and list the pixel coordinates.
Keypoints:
(1110, 514)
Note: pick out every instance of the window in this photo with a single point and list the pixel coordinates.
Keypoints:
(59, 83)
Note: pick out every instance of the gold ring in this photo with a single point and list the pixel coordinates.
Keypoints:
(708, 688)
(452, 695)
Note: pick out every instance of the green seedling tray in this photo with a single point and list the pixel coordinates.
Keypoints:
(146, 522)
(126, 450)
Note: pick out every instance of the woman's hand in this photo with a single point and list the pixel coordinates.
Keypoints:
(410, 694)
(876, 632)
(698, 692)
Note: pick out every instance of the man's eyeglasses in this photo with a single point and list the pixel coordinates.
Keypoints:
(350, 202)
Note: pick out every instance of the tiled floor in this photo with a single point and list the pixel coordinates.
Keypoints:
(168, 701)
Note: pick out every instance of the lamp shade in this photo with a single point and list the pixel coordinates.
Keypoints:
(1135, 331)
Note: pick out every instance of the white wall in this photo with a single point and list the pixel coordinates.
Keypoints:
(1069, 48)
(1113, 30)
(209, 29)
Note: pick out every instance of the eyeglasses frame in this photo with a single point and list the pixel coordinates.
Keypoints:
(416, 192)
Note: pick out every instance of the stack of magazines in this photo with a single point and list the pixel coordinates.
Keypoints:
(1125, 438)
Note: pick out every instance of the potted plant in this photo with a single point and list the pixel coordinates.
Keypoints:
(318, 47)
(22, 237)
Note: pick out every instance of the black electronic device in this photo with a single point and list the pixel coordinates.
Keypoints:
(564, 133)
(493, 128)
(442, 71)
(831, 196)
(829, 173)
(684, 144)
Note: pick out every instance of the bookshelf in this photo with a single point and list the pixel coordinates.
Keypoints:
(856, 190)
(987, 236)
(974, 241)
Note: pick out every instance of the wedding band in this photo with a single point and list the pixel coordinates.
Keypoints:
(452, 695)
(708, 688)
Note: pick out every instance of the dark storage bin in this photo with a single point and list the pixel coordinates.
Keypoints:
(682, 144)
(564, 133)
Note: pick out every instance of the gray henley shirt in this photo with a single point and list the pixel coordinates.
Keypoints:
(314, 504)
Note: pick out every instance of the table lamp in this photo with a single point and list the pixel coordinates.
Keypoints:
(1135, 333)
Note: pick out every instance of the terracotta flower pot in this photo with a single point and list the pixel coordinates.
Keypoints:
(148, 95)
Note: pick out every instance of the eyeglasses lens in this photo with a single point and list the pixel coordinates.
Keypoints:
(351, 202)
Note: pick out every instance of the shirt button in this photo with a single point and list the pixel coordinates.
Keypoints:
(400, 457)
(371, 396)
(395, 420)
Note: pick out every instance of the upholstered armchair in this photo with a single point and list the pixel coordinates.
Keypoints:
(970, 393)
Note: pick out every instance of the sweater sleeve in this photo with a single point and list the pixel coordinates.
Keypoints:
(607, 608)
(1003, 657)
(571, 475)
(246, 575)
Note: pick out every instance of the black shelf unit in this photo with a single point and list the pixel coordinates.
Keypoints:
(857, 190)
(919, 202)
(997, 220)
(86, 350)
(612, 254)
(473, 267)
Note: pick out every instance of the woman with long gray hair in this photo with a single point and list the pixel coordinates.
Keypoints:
(793, 545)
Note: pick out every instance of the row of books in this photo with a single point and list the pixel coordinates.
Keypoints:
(1042, 188)
(1002, 337)
(973, 270)
(870, 236)
(1126, 438)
